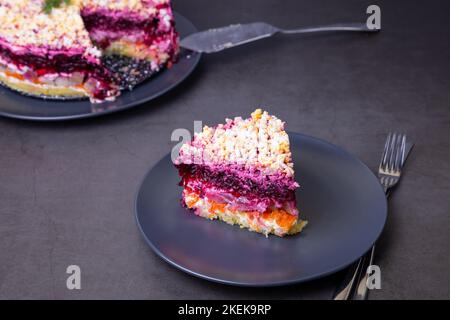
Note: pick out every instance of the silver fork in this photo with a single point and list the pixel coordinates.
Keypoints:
(389, 172)
(392, 160)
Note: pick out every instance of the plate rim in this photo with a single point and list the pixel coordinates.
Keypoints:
(262, 284)
(198, 57)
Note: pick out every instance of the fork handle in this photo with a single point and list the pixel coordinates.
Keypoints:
(362, 290)
(344, 291)
(356, 276)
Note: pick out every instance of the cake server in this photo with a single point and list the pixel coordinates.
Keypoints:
(214, 40)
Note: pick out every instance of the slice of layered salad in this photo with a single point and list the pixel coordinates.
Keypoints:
(241, 172)
(55, 48)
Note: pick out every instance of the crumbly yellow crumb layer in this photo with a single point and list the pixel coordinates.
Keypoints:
(36, 89)
(130, 49)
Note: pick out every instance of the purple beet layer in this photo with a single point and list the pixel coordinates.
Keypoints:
(96, 20)
(239, 201)
(114, 21)
(242, 181)
(61, 63)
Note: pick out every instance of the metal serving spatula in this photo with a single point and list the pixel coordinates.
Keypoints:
(215, 40)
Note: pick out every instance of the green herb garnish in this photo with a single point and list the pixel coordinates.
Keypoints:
(50, 4)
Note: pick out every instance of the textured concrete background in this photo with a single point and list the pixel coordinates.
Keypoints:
(67, 189)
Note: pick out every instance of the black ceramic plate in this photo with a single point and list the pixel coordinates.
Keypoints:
(339, 196)
(15, 105)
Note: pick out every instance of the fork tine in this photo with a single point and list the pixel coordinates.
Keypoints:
(385, 154)
(392, 150)
(403, 152)
(398, 153)
(395, 152)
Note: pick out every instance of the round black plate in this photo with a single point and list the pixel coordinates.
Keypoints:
(15, 105)
(339, 196)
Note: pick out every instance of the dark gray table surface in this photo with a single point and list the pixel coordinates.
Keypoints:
(67, 189)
